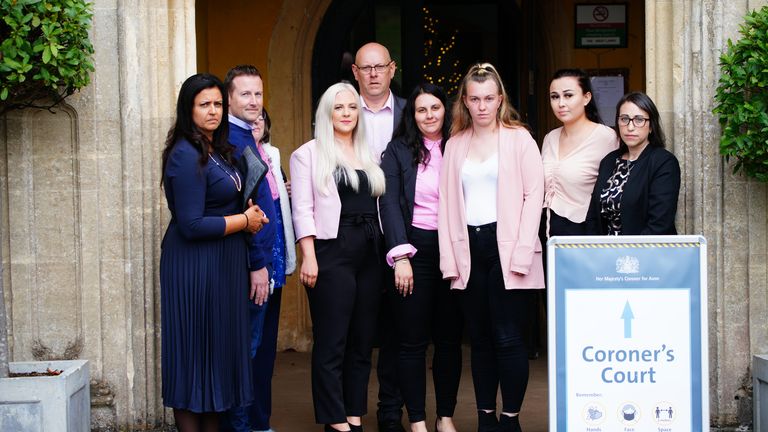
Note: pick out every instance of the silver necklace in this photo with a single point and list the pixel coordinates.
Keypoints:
(235, 178)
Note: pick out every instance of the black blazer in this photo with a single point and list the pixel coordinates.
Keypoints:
(396, 205)
(397, 112)
(649, 201)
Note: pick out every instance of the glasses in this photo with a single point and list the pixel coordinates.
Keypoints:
(638, 121)
(379, 68)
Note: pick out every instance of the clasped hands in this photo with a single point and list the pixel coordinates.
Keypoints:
(255, 218)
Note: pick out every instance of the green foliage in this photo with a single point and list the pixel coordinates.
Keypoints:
(45, 53)
(742, 98)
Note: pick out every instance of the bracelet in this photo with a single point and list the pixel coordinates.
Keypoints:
(402, 258)
(247, 221)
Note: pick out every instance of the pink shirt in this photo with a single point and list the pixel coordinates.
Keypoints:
(568, 181)
(379, 126)
(270, 177)
(425, 199)
(427, 186)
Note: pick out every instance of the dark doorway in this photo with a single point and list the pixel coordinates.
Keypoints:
(431, 40)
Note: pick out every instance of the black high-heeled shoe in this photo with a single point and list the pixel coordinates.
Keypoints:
(356, 428)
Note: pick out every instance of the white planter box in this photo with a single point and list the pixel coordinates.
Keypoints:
(760, 392)
(46, 403)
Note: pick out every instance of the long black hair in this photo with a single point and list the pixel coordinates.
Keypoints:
(267, 126)
(185, 128)
(656, 136)
(586, 87)
(409, 130)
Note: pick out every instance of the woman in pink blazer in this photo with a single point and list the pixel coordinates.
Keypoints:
(336, 182)
(491, 192)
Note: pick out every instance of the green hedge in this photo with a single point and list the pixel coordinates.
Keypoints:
(742, 98)
(45, 54)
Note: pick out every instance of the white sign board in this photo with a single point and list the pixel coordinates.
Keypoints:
(628, 334)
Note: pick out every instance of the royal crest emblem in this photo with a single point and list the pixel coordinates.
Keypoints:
(627, 265)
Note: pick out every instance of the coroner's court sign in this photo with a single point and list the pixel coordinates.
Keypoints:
(628, 334)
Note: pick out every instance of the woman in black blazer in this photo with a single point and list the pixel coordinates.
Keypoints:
(638, 184)
(423, 305)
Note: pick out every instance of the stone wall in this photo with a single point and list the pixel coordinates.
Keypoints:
(728, 210)
(83, 212)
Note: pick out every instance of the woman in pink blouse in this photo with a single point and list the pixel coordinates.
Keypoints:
(423, 304)
(571, 154)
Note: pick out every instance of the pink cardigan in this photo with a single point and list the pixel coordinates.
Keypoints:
(519, 198)
(314, 214)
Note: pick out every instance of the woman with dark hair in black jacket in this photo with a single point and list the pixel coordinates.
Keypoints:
(424, 307)
(638, 184)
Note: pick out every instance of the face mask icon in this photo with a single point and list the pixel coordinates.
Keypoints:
(629, 412)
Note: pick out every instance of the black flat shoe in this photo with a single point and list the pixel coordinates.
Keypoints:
(391, 426)
(329, 428)
(487, 422)
(509, 424)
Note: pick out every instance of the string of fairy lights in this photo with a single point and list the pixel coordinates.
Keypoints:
(441, 65)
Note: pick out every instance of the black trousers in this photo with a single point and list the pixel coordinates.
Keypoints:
(390, 405)
(497, 319)
(557, 226)
(344, 304)
(432, 312)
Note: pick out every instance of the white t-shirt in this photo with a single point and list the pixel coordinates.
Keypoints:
(479, 181)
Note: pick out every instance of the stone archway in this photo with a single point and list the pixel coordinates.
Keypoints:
(290, 101)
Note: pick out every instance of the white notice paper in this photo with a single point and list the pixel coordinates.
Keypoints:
(607, 92)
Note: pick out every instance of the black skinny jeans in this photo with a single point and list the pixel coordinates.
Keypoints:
(497, 319)
(431, 312)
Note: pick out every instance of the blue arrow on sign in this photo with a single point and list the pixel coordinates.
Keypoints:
(627, 316)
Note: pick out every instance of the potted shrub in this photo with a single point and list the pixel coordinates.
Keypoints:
(741, 100)
(45, 56)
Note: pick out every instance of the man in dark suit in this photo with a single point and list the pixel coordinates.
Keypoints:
(246, 100)
(374, 70)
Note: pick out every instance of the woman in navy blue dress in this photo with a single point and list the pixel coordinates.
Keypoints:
(203, 264)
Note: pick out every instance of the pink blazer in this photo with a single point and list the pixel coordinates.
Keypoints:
(314, 214)
(519, 199)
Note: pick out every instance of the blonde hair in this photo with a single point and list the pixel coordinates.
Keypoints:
(331, 163)
(481, 72)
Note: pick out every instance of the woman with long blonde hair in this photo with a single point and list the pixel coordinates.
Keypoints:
(491, 192)
(335, 184)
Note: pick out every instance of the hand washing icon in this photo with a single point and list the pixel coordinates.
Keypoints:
(594, 413)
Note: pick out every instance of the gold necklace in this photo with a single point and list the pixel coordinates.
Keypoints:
(236, 181)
